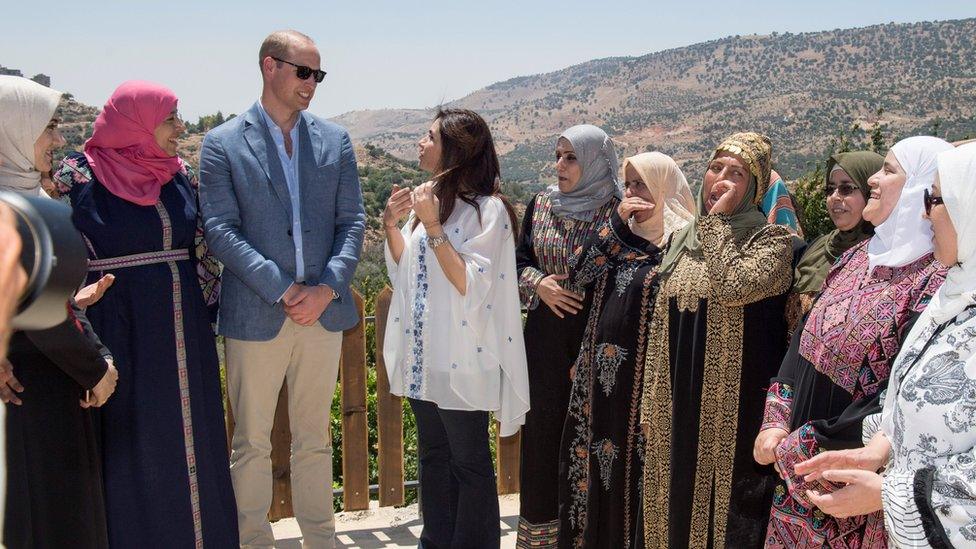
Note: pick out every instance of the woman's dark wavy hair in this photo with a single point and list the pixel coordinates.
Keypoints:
(469, 164)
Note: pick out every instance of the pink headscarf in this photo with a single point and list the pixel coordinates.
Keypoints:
(122, 150)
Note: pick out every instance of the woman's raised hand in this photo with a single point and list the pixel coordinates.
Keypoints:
(860, 495)
(725, 192)
(397, 207)
(631, 205)
(426, 205)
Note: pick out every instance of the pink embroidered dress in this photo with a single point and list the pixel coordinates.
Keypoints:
(831, 379)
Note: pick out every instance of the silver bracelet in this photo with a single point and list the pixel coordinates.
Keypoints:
(435, 241)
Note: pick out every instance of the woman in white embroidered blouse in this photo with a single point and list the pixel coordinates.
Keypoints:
(927, 437)
(453, 342)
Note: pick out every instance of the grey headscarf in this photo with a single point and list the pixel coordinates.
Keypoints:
(598, 182)
(27, 109)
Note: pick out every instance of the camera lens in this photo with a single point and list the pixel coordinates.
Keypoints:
(53, 256)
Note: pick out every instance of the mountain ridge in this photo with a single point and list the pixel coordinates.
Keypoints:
(802, 89)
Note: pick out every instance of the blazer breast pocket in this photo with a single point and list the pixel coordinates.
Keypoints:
(328, 173)
(320, 188)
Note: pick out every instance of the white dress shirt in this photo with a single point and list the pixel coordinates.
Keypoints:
(289, 165)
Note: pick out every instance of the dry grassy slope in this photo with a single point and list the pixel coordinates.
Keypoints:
(76, 123)
(801, 89)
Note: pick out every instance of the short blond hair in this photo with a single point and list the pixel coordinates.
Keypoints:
(279, 43)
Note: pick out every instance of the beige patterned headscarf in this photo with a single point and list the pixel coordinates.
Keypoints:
(662, 176)
(27, 109)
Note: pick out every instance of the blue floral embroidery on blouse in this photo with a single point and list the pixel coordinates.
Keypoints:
(416, 384)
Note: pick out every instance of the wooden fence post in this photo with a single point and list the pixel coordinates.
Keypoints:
(355, 429)
(281, 460)
(509, 465)
(389, 416)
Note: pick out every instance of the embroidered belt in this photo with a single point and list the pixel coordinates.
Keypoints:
(136, 260)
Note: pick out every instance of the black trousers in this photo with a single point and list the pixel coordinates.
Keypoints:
(458, 494)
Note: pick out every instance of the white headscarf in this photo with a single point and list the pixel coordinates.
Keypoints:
(906, 236)
(957, 177)
(27, 107)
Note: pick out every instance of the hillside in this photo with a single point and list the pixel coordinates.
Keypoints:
(800, 89)
(76, 123)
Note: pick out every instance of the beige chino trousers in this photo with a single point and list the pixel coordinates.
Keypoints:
(308, 358)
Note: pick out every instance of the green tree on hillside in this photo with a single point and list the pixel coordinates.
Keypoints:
(207, 122)
(808, 191)
(878, 142)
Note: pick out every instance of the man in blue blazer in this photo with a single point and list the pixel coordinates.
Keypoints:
(284, 213)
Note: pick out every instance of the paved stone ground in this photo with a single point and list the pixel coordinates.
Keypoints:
(388, 527)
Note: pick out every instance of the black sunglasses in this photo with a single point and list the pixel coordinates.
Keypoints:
(845, 189)
(930, 201)
(303, 72)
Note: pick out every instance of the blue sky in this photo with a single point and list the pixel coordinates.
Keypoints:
(386, 53)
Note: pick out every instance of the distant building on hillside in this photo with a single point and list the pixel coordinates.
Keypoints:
(4, 71)
(41, 79)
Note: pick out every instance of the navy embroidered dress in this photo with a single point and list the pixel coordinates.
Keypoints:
(167, 478)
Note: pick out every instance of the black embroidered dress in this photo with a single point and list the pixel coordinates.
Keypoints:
(600, 462)
(546, 243)
(718, 335)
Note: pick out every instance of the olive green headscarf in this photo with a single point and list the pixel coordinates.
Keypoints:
(755, 151)
(824, 251)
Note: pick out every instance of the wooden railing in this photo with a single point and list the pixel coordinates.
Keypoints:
(355, 435)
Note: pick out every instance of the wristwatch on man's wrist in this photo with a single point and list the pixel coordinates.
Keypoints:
(335, 294)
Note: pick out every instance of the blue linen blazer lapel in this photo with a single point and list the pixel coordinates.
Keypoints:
(310, 143)
(258, 138)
